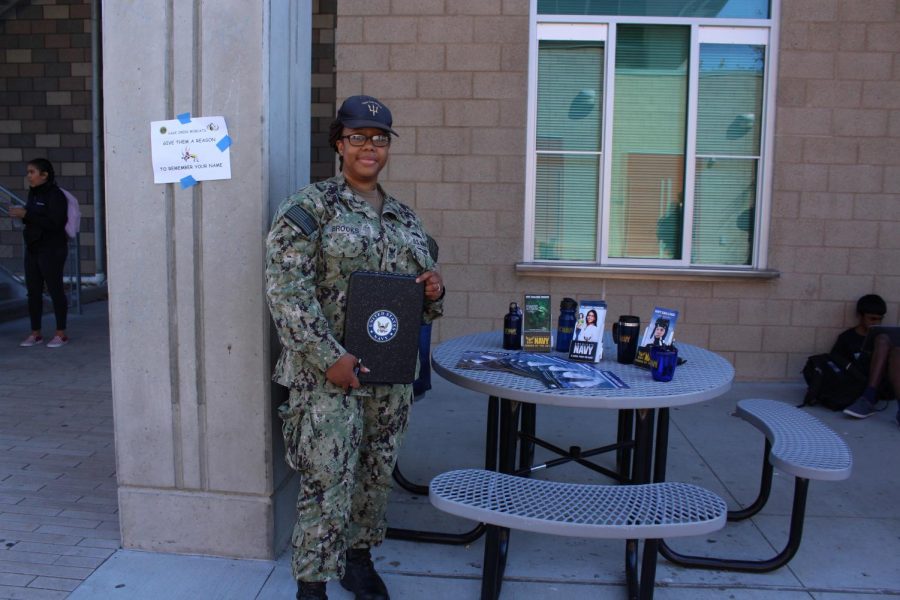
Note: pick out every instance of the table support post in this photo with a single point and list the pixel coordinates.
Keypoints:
(509, 434)
(631, 569)
(648, 569)
(643, 446)
(496, 544)
(526, 446)
(662, 445)
(624, 437)
(491, 439)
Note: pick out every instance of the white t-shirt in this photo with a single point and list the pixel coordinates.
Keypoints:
(591, 333)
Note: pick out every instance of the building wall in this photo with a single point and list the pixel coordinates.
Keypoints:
(454, 73)
(45, 107)
(322, 105)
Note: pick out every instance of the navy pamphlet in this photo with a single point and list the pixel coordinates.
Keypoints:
(536, 325)
(553, 371)
(660, 331)
(587, 341)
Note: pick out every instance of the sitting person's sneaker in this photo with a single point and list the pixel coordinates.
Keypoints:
(57, 341)
(361, 578)
(31, 340)
(860, 409)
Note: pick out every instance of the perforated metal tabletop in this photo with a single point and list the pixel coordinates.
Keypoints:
(705, 375)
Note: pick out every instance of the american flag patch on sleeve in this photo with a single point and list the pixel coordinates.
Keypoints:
(301, 219)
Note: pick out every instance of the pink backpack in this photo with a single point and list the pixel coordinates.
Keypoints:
(73, 222)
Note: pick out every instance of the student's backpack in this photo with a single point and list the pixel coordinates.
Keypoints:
(73, 222)
(832, 384)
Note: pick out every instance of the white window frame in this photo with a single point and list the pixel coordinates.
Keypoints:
(703, 30)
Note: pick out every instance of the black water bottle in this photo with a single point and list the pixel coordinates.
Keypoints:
(512, 328)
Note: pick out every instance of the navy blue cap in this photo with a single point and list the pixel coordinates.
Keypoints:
(358, 112)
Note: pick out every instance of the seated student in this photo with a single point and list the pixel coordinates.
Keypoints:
(884, 358)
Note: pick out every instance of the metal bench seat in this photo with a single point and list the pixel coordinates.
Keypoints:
(802, 445)
(798, 444)
(629, 512)
(652, 510)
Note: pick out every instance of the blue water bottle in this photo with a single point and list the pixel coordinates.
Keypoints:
(566, 325)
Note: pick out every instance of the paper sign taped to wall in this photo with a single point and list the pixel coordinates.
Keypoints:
(192, 147)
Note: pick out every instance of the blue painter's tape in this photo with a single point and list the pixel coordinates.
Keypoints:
(188, 181)
(184, 117)
(224, 143)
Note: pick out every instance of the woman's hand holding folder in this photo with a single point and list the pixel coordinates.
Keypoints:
(344, 371)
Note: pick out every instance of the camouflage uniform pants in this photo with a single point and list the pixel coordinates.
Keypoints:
(345, 449)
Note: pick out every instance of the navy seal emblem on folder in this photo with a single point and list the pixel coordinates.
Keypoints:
(383, 326)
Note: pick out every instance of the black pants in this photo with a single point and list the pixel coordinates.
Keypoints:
(46, 267)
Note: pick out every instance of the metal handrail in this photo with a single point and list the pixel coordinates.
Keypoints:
(73, 267)
(11, 197)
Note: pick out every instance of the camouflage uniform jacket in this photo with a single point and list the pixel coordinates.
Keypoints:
(308, 267)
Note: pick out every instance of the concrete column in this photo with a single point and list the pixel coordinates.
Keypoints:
(191, 359)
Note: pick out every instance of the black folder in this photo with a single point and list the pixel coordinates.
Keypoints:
(381, 326)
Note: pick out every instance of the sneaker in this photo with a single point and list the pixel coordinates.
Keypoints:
(58, 341)
(860, 409)
(32, 340)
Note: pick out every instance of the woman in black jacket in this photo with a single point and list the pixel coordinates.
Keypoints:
(46, 247)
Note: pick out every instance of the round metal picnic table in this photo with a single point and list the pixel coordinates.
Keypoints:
(704, 375)
(640, 455)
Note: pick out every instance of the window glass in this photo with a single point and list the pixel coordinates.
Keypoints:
(730, 99)
(568, 142)
(732, 9)
(566, 207)
(729, 112)
(724, 211)
(613, 152)
(570, 95)
(649, 123)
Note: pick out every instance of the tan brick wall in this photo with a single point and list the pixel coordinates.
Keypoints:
(835, 214)
(454, 74)
(322, 95)
(45, 108)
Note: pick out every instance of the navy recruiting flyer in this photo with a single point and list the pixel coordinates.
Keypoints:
(190, 149)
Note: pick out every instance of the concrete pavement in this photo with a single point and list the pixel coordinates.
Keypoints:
(59, 532)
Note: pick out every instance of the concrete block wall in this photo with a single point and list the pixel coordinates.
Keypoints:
(836, 197)
(45, 107)
(454, 73)
(322, 99)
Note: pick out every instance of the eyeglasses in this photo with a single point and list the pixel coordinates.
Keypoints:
(379, 140)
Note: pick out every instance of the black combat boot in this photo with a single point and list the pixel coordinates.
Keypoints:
(360, 577)
(311, 590)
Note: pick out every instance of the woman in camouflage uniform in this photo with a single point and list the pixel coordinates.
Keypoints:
(340, 435)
